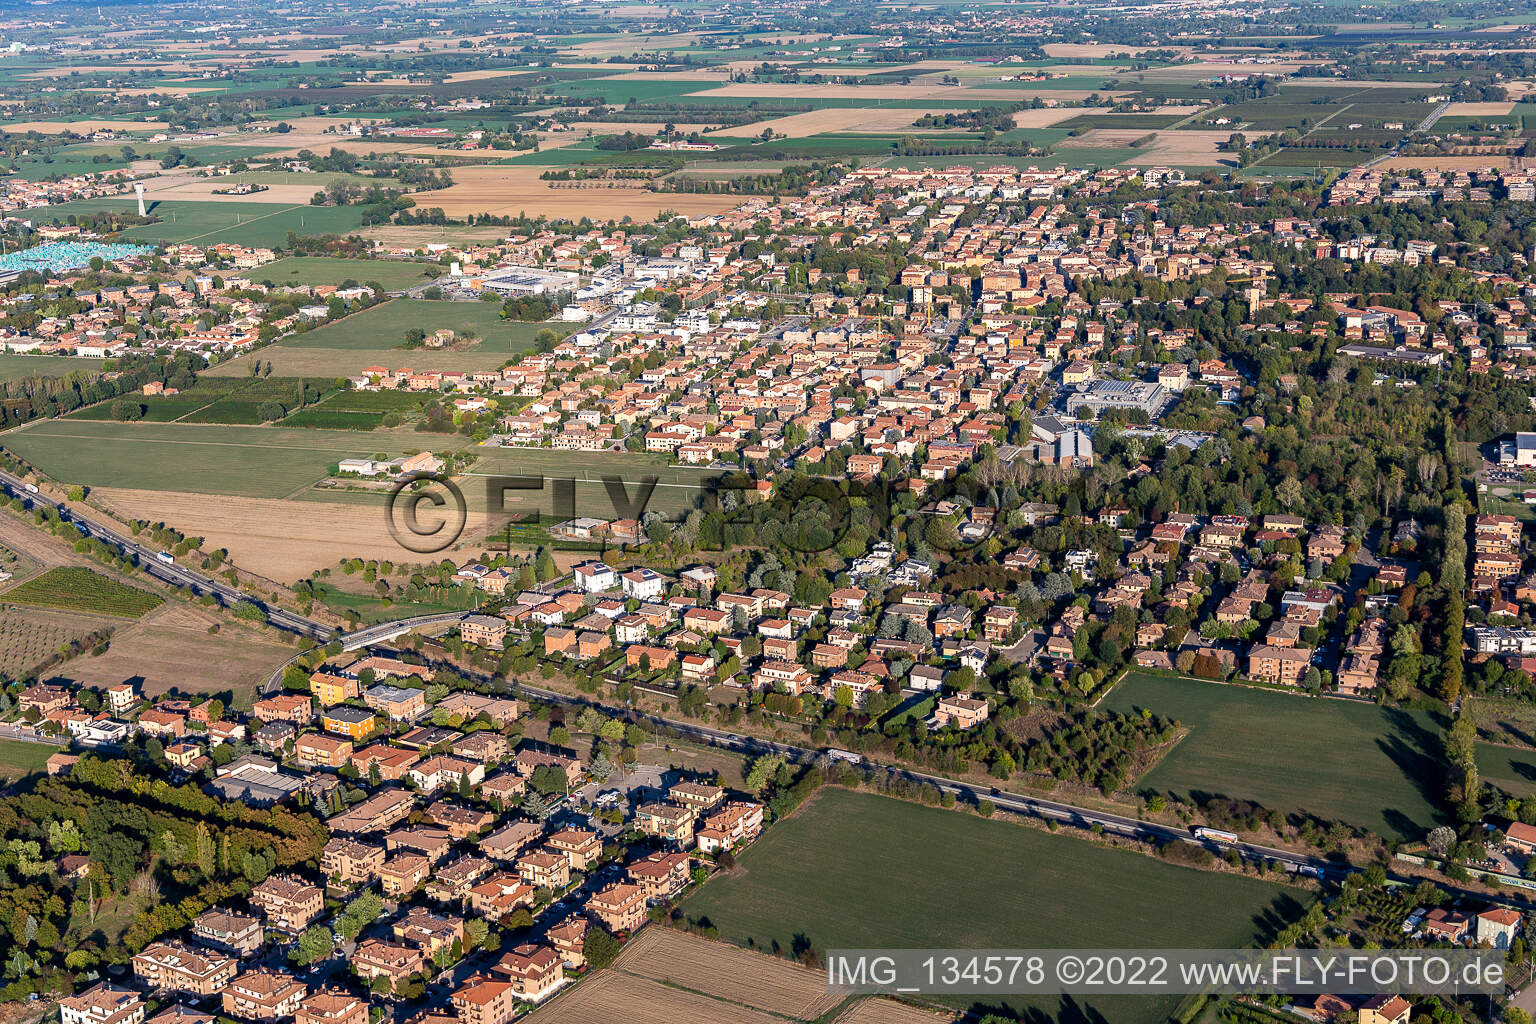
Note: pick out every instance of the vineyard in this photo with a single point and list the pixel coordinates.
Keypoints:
(75, 588)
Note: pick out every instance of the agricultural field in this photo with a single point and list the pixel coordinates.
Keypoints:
(853, 870)
(394, 275)
(234, 400)
(236, 460)
(376, 336)
(517, 189)
(1369, 766)
(29, 636)
(14, 366)
(210, 221)
(76, 588)
(283, 539)
(665, 976)
(171, 648)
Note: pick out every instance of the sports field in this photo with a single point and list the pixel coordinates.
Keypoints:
(258, 462)
(854, 870)
(1339, 760)
(394, 275)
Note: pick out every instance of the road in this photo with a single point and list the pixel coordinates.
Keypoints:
(168, 572)
(1081, 817)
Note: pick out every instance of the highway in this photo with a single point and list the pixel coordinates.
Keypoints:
(170, 573)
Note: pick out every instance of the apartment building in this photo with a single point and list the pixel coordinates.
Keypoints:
(102, 1004)
(619, 908)
(289, 902)
(534, 972)
(176, 967)
(332, 1007)
(350, 862)
(375, 958)
(666, 821)
(228, 930)
(483, 1001)
(264, 995)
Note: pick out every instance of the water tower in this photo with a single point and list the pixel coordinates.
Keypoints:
(138, 190)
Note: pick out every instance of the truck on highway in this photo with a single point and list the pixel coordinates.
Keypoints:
(30, 488)
(845, 755)
(1214, 834)
(165, 556)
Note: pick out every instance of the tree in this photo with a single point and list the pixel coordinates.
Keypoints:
(762, 772)
(602, 948)
(314, 944)
(1439, 840)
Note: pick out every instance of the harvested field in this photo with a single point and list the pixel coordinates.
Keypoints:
(281, 539)
(844, 119)
(202, 189)
(511, 190)
(612, 996)
(664, 976)
(728, 972)
(171, 648)
(888, 1011)
(958, 94)
(1044, 117)
(82, 127)
(1103, 138)
(1480, 109)
(1182, 149)
(1096, 50)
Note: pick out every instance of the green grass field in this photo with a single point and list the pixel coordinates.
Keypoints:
(1339, 760)
(381, 329)
(19, 759)
(854, 870)
(237, 222)
(257, 462)
(394, 275)
(15, 367)
(76, 588)
(1512, 769)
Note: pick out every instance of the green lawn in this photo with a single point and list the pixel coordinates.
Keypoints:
(394, 275)
(76, 588)
(1512, 769)
(1339, 760)
(257, 462)
(854, 870)
(19, 759)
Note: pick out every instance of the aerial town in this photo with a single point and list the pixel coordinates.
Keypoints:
(580, 513)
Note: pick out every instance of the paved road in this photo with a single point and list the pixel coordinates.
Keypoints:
(1082, 817)
(169, 572)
